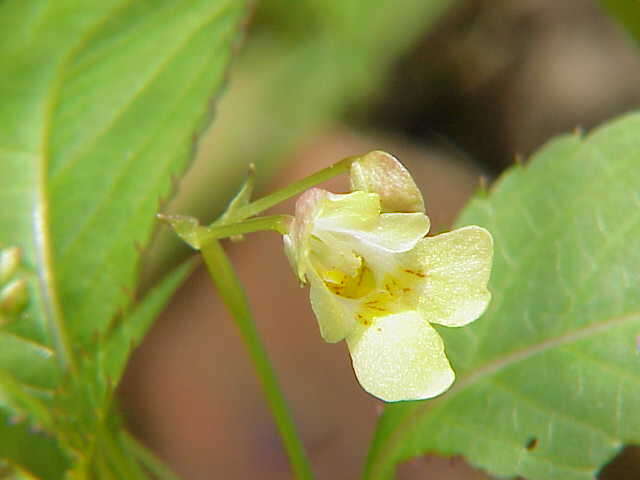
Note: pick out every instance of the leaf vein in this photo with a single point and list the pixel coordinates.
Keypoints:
(172, 54)
(505, 442)
(94, 214)
(511, 390)
(420, 409)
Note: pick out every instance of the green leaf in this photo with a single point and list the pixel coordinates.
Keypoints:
(627, 13)
(126, 335)
(547, 380)
(100, 106)
(84, 406)
(27, 446)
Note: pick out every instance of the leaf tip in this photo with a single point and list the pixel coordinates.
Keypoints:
(518, 159)
(482, 189)
(578, 132)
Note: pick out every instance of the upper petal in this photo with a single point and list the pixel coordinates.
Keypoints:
(381, 173)
(392, 232)
(457, 266)
(400, 357)
(397, 232)
(348, 211)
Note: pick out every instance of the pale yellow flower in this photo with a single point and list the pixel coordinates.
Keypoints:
(377, 282)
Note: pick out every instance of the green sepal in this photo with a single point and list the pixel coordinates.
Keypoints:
(241, 199)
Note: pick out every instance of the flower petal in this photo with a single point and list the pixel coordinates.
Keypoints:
(379, 172)
(457, 266)
(356, 218)
(335, 315)
(396, 232)
(400, 357)
(296, 242)
(348, 212)
(332, 255)
(319, 211)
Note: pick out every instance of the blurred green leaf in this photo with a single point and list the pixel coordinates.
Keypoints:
(627, 12)
(548, 382)
(101, 103)
(25, 445)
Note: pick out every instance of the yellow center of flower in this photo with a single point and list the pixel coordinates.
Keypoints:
(350, 286)
(395, 292)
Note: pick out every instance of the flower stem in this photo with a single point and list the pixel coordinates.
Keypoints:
(147, 457)
(122, 465)
(277, 223)
(260, 205)
(228, 284)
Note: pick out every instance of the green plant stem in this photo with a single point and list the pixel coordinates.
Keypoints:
(277, 223)
(147, 457)
(232, 293)
(260, 205)
(122, 464)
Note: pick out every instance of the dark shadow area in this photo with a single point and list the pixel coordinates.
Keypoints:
(625, 466)
(498, 79)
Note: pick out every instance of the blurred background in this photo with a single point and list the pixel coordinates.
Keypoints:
(458, 91)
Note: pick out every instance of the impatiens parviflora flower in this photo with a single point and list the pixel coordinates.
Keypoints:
(379, 283)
